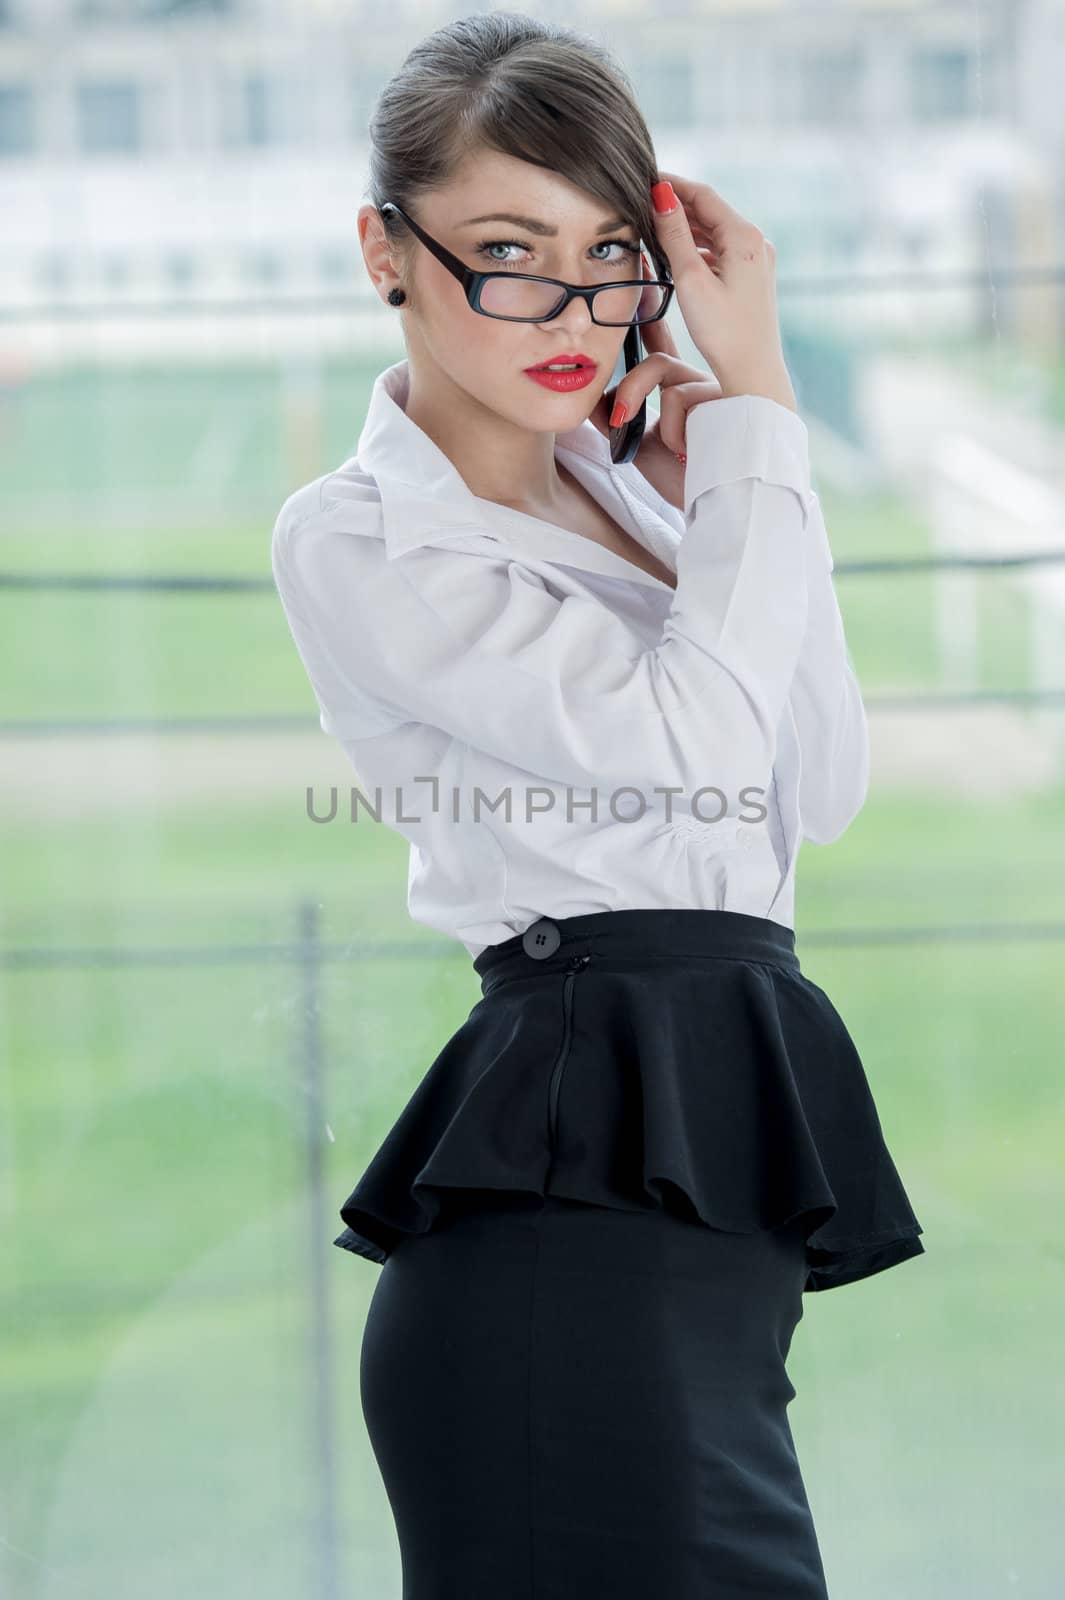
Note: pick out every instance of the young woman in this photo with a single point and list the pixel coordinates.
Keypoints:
(607, 699)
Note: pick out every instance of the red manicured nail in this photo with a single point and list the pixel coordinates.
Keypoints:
(663, 196)
(619, 413)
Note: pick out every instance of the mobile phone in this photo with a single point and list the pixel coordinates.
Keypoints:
(625, 441)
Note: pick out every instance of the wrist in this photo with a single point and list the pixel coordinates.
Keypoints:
(770, 386)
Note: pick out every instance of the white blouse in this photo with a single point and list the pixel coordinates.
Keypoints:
(554, 730)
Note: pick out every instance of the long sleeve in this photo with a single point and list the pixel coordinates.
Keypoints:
(827, 703)
(475, 644)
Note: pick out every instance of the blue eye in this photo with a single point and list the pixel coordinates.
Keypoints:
(487, 245)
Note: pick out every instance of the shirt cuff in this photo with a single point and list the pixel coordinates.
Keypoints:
(745, 436)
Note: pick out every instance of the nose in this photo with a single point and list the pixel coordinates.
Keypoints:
(576, 318)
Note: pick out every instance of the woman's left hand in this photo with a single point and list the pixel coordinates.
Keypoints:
(681, 388)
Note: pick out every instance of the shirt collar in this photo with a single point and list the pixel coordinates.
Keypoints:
(410, 470)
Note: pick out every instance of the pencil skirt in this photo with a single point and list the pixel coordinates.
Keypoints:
(569, 1401)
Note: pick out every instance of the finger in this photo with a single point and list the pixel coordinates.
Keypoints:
(676, 239)
(677, 401)
(661, 371)
(636, 385)
(671, 414)
(709, 210)
(715, 208)
(712, 260)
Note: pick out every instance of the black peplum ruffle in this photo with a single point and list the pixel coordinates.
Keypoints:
(687, 1064)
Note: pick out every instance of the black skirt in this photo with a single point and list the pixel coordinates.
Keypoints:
(641, 1060)
(572, 1402)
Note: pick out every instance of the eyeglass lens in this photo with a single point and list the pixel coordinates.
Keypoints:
(527, 297)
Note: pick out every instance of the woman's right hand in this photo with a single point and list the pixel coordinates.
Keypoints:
(724, 269)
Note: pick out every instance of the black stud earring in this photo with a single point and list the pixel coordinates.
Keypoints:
(396, 297)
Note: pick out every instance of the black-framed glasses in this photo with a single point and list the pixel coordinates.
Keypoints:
(517, 297)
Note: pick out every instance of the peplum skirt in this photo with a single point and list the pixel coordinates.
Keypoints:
(669, 1060)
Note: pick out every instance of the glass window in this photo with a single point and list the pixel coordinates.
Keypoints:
(664, 85)
(830, 86)
(940, 83)
(264, 108)
(180, 269)
(109, 117)
(53, 272)
(17, 132)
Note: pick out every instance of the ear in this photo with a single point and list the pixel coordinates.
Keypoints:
(380, 265)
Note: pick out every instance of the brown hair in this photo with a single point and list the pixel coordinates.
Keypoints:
(535, 90)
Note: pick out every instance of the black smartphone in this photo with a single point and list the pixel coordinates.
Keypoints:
(625, 441)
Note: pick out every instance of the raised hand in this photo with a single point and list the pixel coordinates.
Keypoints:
(724, 269)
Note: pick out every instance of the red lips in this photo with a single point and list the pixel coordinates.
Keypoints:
(567, 356)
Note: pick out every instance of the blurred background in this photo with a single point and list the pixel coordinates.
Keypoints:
(213, 1009)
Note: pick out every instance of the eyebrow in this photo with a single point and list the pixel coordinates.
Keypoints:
(533, 225)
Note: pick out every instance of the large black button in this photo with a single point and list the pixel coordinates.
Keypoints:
(541, 939)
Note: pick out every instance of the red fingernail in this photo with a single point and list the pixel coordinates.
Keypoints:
(663, 196)
(619, 413)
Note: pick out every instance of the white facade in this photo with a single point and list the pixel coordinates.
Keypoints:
(217, 155)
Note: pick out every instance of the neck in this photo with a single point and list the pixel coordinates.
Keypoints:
(497, 459)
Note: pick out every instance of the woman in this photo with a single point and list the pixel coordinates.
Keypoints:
(604, 702)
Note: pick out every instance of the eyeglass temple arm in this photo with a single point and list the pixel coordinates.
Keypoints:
(462, 272)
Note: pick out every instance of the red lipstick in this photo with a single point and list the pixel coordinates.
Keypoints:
(584, 370)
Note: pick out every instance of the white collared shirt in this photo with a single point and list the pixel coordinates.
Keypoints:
(554, 730)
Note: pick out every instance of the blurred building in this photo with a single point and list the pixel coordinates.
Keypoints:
(155, 153)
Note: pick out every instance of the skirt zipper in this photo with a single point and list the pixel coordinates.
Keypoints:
(576, 964)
